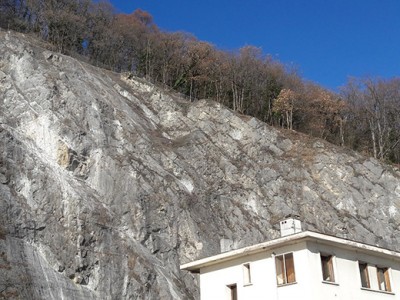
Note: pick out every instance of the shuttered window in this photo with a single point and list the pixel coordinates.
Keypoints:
(379, 281)
(383, 279)
(364, 275)
(327, 268)
(285, 269)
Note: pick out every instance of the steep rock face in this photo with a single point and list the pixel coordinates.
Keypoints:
(108, 183)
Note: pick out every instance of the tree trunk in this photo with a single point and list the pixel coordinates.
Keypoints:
(373, 138)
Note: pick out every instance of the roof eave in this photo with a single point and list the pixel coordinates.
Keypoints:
(195, 266)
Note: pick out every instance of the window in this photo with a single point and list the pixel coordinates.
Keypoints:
(232, 292)
(246, 274)
(285, 269)
(364, 275)
(383, 279)
(327, 268)
(368, 279)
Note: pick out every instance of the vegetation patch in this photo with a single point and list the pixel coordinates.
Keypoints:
(363, 116)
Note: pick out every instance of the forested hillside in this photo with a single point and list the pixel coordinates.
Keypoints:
(364, 115)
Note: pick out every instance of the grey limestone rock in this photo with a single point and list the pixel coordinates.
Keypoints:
(108, 183)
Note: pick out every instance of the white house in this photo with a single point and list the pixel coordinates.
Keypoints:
(300, 265)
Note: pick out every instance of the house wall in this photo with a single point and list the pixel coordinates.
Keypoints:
(347, 275)
(215, 279)
(309, 284)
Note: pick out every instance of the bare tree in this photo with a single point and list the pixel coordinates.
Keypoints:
(376, 107)
(284, 105)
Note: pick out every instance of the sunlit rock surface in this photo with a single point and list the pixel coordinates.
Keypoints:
(108, 183)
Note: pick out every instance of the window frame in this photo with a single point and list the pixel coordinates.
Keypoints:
(364, 271)
(232, 291)
(247, 274)
(285, 268)
(329, 267)
(383, 278)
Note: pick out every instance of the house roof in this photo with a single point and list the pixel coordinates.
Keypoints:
(195, 266)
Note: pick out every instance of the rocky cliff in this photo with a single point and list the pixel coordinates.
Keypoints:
(108, 183)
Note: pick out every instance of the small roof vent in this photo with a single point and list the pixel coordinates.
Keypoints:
(290, 226)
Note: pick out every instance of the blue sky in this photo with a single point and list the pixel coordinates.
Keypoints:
(327, 40)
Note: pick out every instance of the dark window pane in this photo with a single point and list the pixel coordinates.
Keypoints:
(383, 279)
(327, 268)
(289, 262)
(233, 291)
(364, 275)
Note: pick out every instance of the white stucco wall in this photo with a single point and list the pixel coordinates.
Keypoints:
(309, 284)
(347, 275)
(215, 279)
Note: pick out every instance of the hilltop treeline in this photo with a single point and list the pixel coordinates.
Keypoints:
(365, 116)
